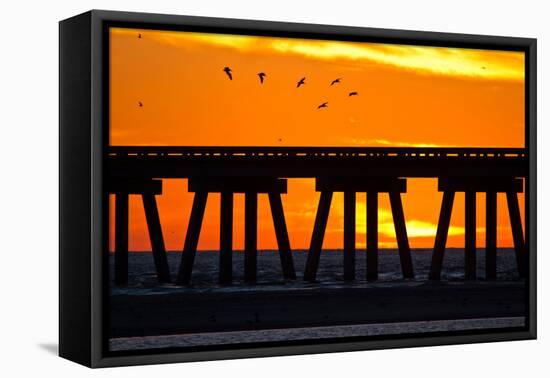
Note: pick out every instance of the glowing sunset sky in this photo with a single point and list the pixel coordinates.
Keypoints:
(408, 96)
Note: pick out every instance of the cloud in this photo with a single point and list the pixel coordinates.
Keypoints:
(438, 60)
(418, 229)
(385, 142)
(474, 63)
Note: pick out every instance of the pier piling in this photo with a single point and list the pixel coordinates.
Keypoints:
(471, 186)
(283, 242)
(441, 234)
(250, 236)
(121, 239)
(470, 235)
(147, 189)
(350, 186)
(192, 237)
(320, 225)
(226, 238)
(227, 187)
(156, 238)
(349, 235)
(517, 231)
(372, 236)
(491, 236)
(401, 235)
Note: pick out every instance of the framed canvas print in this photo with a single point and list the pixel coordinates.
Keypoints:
(234, 188)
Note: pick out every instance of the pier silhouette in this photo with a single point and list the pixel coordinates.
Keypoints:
(264, 170)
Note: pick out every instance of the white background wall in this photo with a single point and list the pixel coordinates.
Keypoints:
(29, 188)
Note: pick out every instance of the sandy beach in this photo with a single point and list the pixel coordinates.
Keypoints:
(180, 313)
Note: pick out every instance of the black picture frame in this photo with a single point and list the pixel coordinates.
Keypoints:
(83, 103)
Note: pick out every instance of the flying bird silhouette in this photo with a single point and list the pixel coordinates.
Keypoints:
(261, 75)
(301, 82)
(323, 105)
(335, 81)
(140, 104)
(353, 94)
(227, 70)
(139, 35)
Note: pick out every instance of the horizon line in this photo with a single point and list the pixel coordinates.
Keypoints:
(307, 249)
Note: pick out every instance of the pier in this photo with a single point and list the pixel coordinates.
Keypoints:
(254, 171)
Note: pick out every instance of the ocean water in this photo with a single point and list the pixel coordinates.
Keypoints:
(142, 277)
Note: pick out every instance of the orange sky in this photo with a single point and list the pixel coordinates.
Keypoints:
(408, 96)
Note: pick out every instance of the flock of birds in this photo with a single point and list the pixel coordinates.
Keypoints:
(262, 76)
(302, 81)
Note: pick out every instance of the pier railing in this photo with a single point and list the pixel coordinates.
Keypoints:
(234, 152)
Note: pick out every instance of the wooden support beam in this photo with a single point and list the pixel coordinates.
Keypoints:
(349, 236)
(283, 242)
(121, 239)
(312, 263)
(470, 235)
(226, 238)
(480, 184)
(237, 184)
(155, 235)
(372, 236)
(250, 236)
(192, 238)
(441, 235)
(517, 232)
(360, 184)
(401, 234)
(491, 236)
(134, 186)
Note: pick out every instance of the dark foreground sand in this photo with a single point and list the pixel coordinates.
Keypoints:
(310, 333)
(194, 312)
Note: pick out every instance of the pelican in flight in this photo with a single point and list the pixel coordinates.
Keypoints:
(301, 82)
(353, 94)
(335, 81)
(323, 105)
(261, 75)
(227, 70)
